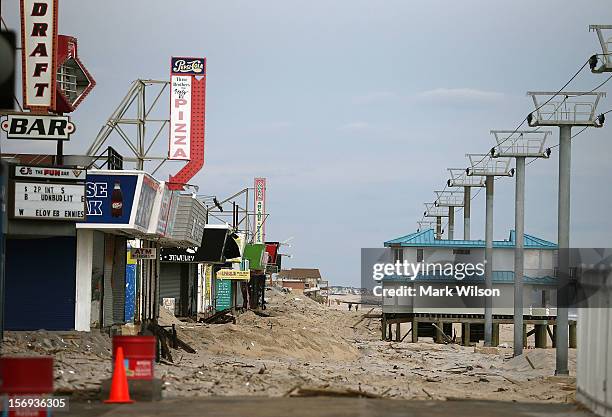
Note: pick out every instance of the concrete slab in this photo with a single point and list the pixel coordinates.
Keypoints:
(140, 389)
(324, 407)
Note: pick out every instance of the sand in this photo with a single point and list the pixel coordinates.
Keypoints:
(304, 344)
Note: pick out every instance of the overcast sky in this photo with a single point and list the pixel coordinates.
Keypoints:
(353, 109)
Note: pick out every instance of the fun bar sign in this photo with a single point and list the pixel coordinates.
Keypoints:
(39, 48)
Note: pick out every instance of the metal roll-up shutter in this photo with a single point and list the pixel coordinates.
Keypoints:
(170, 283)
(118, 279)
(107, 295)
(115, 252)
(40, 283)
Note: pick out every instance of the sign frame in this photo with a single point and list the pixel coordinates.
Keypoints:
(143, 253)
(46, 119)
(234, 274)
(16, 172)
(13, 203)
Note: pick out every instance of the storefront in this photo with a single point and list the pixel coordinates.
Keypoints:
(219, 248)
(256, 259)
(45, 202)
(122, 206)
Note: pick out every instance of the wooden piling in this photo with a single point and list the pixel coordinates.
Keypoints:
(415, 330)
(495, 338)
(439, 337)
(540, 336)
(552, 334)
(573, 341)
(465, 333)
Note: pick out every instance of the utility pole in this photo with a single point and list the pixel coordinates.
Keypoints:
(485, 166)
(450, 199)
(519, 145)
(460, 179)
(565, 110)
(438, 212)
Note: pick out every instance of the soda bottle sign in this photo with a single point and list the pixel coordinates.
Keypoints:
(117, 201)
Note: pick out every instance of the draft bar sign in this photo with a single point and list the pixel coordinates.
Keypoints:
(185, 109)
(49, 201)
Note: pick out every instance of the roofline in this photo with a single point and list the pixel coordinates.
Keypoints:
(475, 244)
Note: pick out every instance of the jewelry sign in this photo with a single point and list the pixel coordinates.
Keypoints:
(39, 49)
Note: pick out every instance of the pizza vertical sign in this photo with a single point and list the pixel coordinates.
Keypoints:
(39, 50)
(186, 105)
(260, 210)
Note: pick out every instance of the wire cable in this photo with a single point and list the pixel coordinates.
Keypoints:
(538, 128)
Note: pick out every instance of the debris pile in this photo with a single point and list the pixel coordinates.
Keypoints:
(298, 347)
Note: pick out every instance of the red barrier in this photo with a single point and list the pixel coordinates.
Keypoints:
(22, 376)
(139, 354)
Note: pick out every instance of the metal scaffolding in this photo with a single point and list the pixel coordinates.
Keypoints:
(450, 199)
(134, 111)
(459, 178)
(438, 212)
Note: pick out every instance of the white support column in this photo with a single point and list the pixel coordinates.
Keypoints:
(84, 263)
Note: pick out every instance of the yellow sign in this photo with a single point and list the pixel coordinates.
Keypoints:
(234, 274)
(208, 269)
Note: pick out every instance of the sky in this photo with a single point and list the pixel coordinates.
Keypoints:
(353, 109)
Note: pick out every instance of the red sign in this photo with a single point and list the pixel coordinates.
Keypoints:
(187, 117)
(74, 82)
(272, 250)
(39, 49)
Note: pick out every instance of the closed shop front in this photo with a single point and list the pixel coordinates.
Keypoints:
(170, 284)
(178, 282)
(40, 284)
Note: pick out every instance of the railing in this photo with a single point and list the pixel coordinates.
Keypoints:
(564, 111)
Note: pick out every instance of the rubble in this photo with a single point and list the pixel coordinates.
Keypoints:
(310, 347)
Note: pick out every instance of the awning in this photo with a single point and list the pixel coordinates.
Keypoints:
(234, 247)
(211, 250)
(255, 253)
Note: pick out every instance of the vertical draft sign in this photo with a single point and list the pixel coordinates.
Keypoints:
(39, 49)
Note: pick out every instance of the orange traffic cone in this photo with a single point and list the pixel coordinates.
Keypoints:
(119, 392)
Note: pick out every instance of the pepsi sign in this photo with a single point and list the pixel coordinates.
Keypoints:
(188, 66)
